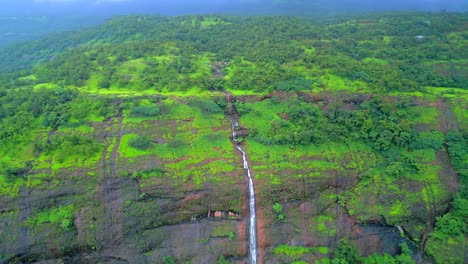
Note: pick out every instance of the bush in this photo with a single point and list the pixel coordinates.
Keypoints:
(457, 147)
(278, 209)
(211, 107)
(67, 224)
(347, 252)
(265, 140)
(176, 143)
(145, 111)
(213, 137)
(242, 108)
(460, 207)
(450, 225)
(222, 260)
(405, 256)
(298, 84)
(140, 143)
(434, 140)
(11, 173)
(169, 260)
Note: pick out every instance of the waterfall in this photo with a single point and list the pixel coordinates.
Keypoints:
(253, 215)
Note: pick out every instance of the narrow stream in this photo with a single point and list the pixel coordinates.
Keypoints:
(253, 216)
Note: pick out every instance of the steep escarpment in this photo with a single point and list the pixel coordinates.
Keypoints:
(181, 196)
(319, 194)
(354, 134)
(166, 183)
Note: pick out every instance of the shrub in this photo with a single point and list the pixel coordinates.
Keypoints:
(11, 173)
(214, 137)
(450, 225)
(67, 224)
(405, 256)
(348, 252)
(169, 260)
(297, 84)
(140, 143)
(211, 107)
(176, 143)
(222, 260)
(145, 111)
(278, 209)
(434, 140)
(242, 108)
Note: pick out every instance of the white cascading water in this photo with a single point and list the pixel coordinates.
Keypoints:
(253, 216)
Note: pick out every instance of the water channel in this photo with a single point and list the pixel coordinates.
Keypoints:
(253, 216)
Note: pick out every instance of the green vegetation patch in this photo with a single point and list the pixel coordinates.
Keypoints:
(297, 251)
(224, 230)
(62, 216)
(375, 60)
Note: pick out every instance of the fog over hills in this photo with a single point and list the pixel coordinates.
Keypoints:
(171, 7)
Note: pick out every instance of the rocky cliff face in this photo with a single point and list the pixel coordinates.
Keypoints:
(185, 202)
(185, 197)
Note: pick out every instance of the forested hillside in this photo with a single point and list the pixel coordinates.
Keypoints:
(17, 29)
(116, 142)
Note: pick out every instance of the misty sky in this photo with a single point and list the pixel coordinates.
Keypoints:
(173, 7)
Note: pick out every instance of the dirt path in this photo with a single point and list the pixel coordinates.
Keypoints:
(113, 157)
(447, 122)
(447, 174)
(113, 219)
(105, 173)
(448, 119)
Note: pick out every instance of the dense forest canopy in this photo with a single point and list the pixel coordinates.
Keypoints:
(122, 129)
(395, 52)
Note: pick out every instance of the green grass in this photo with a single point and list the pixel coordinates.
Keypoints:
(461, 112)
(447, 92)
(225, 229)
(70, 156)
(196, 149)
(209, 21)
(291, 251)
(325, 225)
(37, 180)
(202, 64)
(336, 83)
(426, 115)
(297, 251)
(126, 151)
(45, 86)
(375, 60)
(298, 68)
(31, 77)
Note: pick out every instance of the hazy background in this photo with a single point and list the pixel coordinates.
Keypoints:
(22, 20)
(175, 7)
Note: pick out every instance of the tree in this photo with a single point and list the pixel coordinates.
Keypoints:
(450, 225)
(348, 252)
(405, 256)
